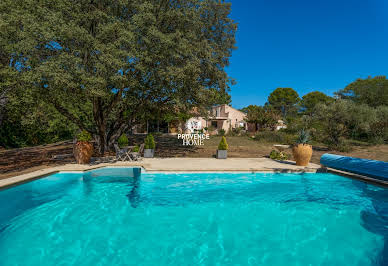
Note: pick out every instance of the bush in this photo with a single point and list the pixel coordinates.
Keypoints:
(123, 141)
(238, 131)
(84, 136)
(221, 132)
(276, 155)
(334, 119)
(136, 149)
(223, 144)
(149, 142)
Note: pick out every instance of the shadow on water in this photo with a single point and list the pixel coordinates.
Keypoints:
(124, 176)
(134, 195)
(376, 220)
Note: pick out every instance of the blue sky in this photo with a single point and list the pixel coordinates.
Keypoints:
(306, 45)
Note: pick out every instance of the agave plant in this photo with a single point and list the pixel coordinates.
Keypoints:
(304, 137)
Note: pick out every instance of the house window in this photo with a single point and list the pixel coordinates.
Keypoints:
(218, 112)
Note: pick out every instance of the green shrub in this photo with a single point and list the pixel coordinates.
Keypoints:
(221, 132)
(136, 149)
(276, 155)
(236, 131)
(84, 136)
(223, 144)
(123, 141)
(211, 128)
(149, 142)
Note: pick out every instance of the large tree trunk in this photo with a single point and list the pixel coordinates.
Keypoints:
(99, 119)
(105, 142)
(115, 134)
(108, 135)
(101, 143)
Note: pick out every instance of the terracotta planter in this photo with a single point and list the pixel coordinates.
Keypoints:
(83, 151)
(302, 154)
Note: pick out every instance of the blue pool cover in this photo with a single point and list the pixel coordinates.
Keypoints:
(365, 167)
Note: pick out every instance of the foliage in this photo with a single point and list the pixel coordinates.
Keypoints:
(276, 155)
(123, 141)
(238, 131)
(211, 128)
(104, 64)
(379, 129)
(27, 121)
(372, 91)
(262, 117)
(221, 132)
(284, 100)
(223, 144)
(311, 99)
(149, 142)
(136, 149)
(334, 118)
(303, 137)
(345, 119)
(84, 136)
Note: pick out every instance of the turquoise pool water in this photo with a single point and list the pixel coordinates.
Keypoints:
(115, 216)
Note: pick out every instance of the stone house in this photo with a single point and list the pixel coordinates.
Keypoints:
(219, 117)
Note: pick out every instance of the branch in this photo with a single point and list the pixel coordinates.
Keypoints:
(62, 110)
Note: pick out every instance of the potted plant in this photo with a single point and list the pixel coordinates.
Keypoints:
(222, 152)
(302, 151)
(83, 149)
(123, 141)
(149, 146)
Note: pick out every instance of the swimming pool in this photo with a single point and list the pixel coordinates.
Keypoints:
(117, 216)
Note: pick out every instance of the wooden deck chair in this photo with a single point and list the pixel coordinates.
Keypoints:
(136, 156)
(122, 154)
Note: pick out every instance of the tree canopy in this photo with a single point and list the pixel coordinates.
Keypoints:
(372, 91)
(102, 63)
(347, 119)
(261, 117)
(284, 100)
(311, 99)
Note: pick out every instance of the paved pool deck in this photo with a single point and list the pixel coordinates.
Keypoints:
(176, 165)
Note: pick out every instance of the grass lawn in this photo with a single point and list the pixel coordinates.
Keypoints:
(246, 147)
(19, 161)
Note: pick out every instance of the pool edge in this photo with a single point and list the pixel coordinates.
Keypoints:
(25, 178)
